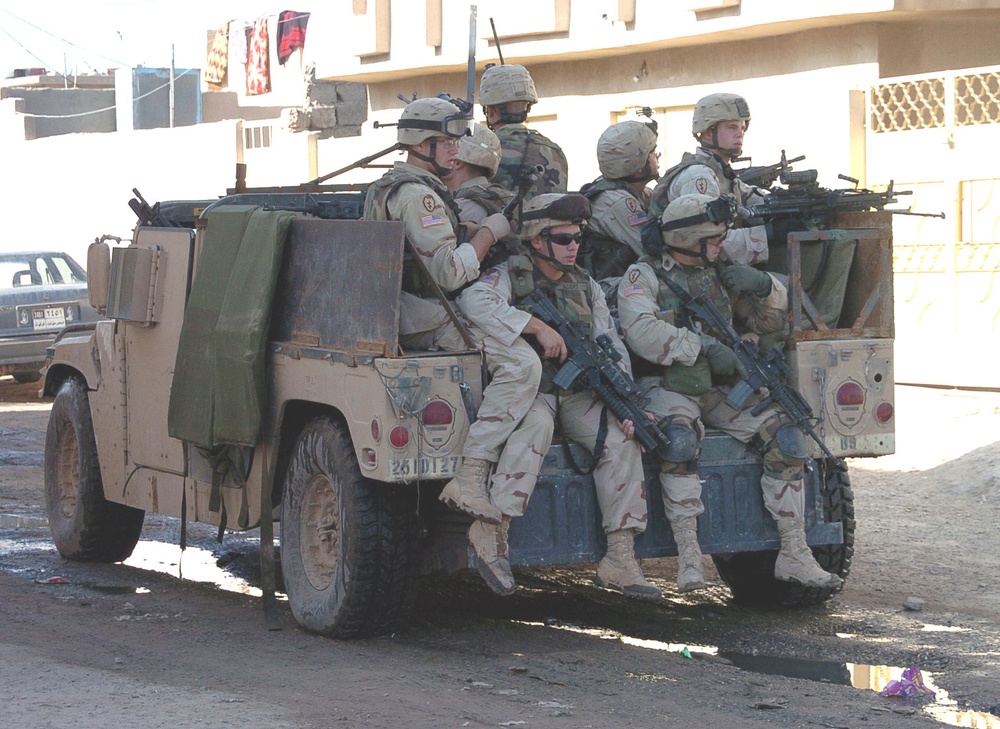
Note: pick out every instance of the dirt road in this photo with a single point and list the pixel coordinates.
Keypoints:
(135, 646)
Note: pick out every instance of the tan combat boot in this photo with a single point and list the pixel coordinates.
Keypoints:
(467, 492)
(619, 570)
(795, 561)
(490, 544)
(690, 572)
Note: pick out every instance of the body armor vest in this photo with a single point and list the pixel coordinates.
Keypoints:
(377, 208)
(696, 379)
(725, 173)
(600, 254)
(571, 296)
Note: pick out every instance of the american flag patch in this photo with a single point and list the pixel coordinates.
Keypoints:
(429, 221)
(632, 290)
(637, 219)
(490, 278)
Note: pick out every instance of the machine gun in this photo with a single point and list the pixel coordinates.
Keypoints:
(596, 361)
(765, 370)
(529, 176)
(806, 199)
(766, 175)
(148, 214)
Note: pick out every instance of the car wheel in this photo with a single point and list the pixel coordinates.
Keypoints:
(85, 526)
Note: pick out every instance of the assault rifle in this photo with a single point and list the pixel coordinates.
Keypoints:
(148, 214)
(808, 200)
(766, 175)
(765, 370)
(596, 361)
(529, 176)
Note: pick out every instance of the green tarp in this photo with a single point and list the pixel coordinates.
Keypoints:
(219, 387)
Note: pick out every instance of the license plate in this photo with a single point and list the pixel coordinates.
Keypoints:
(424, 467)
(51, 317)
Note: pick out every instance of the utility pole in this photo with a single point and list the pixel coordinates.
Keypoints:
(172, 72)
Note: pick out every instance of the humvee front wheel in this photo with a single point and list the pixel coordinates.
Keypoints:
(85, 526)
(750, 575)
(349, 545)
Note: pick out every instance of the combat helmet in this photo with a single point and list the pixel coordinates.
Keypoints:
(623, 149)
(507, 82)
(715, 108)
(482, 149)
(686, 224)
(431, 117)
(550, 210)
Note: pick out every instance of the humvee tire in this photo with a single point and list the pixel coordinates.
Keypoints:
(85, 526)
(750, 575)
(23, 378)
(349, 545)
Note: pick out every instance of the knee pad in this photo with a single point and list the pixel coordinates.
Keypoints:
(685, 439)
(790, 440)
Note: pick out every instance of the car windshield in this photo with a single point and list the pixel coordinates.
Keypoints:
(39, 269)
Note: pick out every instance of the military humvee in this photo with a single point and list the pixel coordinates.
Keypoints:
(249, 372)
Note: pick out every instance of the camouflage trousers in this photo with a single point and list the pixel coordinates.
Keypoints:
(515, 372)
(618, 477)
(781, 483)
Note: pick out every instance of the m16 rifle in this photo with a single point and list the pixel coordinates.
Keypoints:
(596, 361)
(766, 175)
(766, 370)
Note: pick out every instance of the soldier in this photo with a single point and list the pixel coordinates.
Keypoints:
(475, 165)
(507, 93)
(413, 193)
(551, 229)
(689, 385)
(719, 124)
(612, 240)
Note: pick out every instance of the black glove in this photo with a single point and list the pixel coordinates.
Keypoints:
(721, 359)
(779, 228)
(746, 278)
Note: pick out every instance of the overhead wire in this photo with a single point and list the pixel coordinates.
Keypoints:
(57, 37)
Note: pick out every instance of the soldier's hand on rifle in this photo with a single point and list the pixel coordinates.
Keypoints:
(746, 278)
(498, 225)
(552, 344)
(627, 428)
(721, 359)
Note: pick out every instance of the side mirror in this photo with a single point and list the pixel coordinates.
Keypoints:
(98, 274)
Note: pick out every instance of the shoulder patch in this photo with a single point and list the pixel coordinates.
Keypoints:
(429, 203)
(630, 204)
(701, 184)
(633, 275)
(429, 221)
(490, 277)
(633, 289)
(637, 219)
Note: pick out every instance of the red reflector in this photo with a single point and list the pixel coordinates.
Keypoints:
(376, 432)
(399, 437)
(850, 393)
(437, 412)
(883, 413)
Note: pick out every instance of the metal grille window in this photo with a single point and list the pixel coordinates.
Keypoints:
(906, 105)
(977, 98)
(256, 137)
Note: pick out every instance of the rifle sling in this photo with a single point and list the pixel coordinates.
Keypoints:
(443, 298)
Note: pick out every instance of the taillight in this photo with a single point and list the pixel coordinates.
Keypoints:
(376, 431)
(399, 437)
(850, 393)
(437, 412)
(883, 413)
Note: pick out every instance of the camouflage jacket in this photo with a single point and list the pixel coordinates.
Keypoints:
(522, 147)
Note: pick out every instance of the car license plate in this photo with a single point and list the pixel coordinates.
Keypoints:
(424, 467)
(51, 317)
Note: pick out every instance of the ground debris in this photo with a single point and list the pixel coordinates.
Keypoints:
(770, 703)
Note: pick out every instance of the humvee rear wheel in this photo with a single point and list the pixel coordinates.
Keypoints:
(349, 545)
(85, 526)
(750, 575)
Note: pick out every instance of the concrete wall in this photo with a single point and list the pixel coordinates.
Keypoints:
(48, 112)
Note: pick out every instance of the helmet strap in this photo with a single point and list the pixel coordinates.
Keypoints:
(702, 252)
(431, 159)
(551, 256)
(730, 154)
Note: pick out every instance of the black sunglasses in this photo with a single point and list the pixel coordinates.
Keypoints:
(562, 239)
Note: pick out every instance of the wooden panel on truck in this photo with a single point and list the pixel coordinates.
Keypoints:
(339, 286)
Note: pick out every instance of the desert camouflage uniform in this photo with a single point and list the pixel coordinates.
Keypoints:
(419, 200)
(705, 173)
(684, 389)
(492, 304)
(523, 147)
(612, 240)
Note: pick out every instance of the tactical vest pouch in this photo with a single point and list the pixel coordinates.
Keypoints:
(692, 381)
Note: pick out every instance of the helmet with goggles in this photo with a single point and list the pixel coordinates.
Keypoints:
(433, 117)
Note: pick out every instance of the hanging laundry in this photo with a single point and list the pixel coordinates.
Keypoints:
(238, 30)
(218, 57)
(291, 33)
(258, 67)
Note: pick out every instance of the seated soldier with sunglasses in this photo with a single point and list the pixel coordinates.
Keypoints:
(552, 232)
